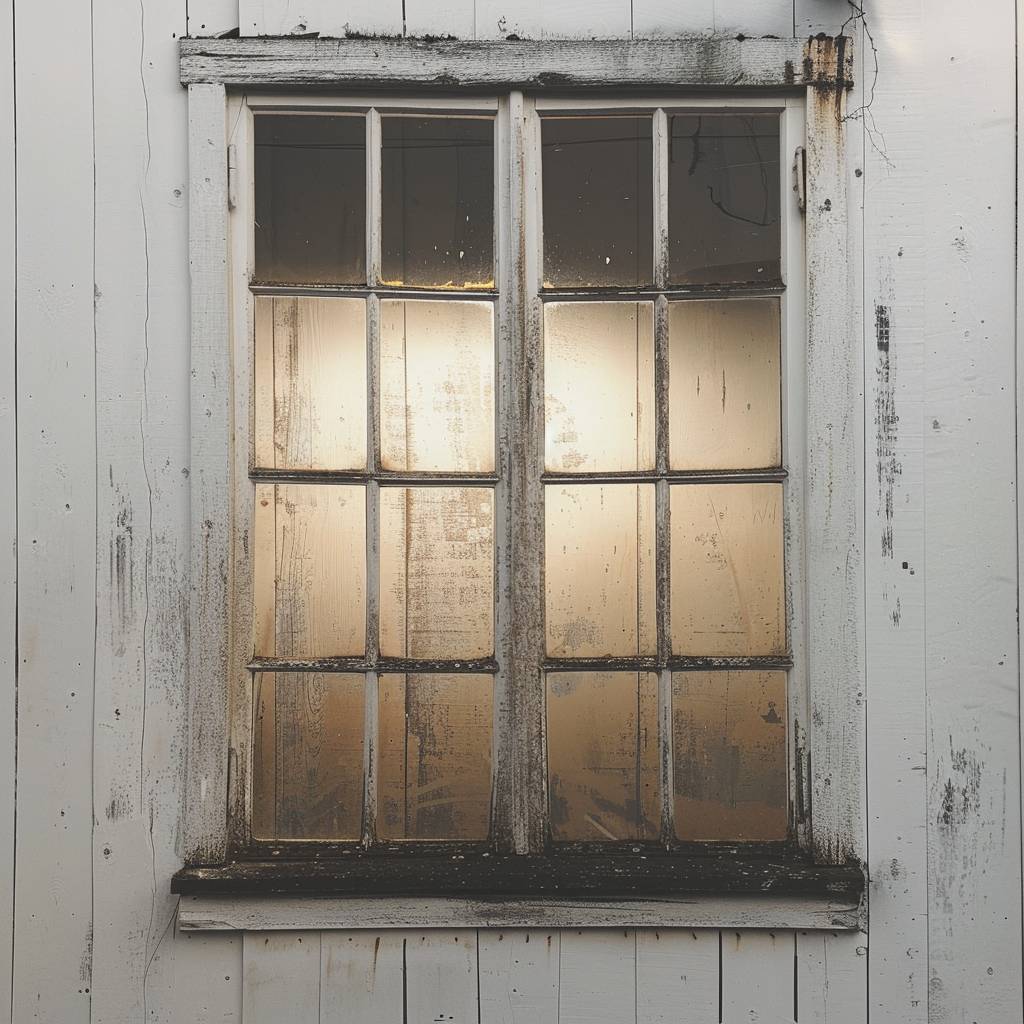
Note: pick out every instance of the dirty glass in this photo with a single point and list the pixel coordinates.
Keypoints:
(310, 386)
(724, 198)
(437, 218)
(727, 595)
(310, 218)
(436, 572)
(724, 384)
(598, 202)
(602, 735)
(434, 777)
(309, 577)
(437, 386)
(307, 755)
(729, 753)
(599, 572)
(599, 386)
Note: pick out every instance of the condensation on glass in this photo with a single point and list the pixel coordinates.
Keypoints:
(437, 386)
(597, 202)
(310, 383)
(602, 739)
(729, 752)
(307, 766)
(437, 572)
(437, 218)
(434, 766)
(724, 199)
(309, 578)
(724, 384)
(727, 593)
(599, 570)
(310, 218)
(599, 386)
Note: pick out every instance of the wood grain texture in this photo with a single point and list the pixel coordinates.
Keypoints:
(519, 976)
(56, 551)
(362, 977)
(281, 977)
(676, 969)
(328, 17)
(831, 978)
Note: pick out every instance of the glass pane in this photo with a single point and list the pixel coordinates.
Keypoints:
(307, 755)
(310, 199)
(309, 576)
(598, 202)
(310, 383)
(436, 572)
(434, 778)
(599, 570)
(437, 386)
(729, 748)
(723, 198)
(724, 384)
(727, 564)
(599, 386)
(438, 202)
(602, 733)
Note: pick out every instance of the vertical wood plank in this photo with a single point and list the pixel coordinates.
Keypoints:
(361, 977)
(195, 977)
(56, 510)
(597, 976)
(831, 978)
(757, 977)
(705, 17)
(813, 16)
(676, 969)
(280, 977)
(455, 18)
(519, 976)
(211, 17)
(441, 977)
(328, 17)
(534, 19)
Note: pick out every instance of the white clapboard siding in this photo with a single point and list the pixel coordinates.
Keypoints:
(573, 19)
(831, 978)
(194, 979)
(597, 976)
(328, 17)
(757, 977)
(210, 17)
(56, 511)
(519, 976)
(361, 977)
(728, 17)
(281, 977)
(676, 969)
(441, 977)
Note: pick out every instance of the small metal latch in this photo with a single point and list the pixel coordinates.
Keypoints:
(233, 178)
(800, 178)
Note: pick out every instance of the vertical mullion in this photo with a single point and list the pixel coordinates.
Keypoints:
(661, 154)
(373, 196)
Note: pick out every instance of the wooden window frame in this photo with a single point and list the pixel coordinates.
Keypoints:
(822, 867)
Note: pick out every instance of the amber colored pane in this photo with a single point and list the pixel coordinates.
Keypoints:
(727, 569)
(598, 202)
(437, 572)
(437, 220)
(723, 198)
(310, 383)
(308, 755)
(599, 386)
(724, 384)
(729, 749)
(434, 775)
(602, 735)
(310, 198)
(599, 572)
(437, 386)
(309, 577)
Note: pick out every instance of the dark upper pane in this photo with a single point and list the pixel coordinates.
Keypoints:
(311, 199)
(598, 202)
(723, 199)
(438, 202)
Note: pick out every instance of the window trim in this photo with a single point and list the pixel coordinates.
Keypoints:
(830, 735)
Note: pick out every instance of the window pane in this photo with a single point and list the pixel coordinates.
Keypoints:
(438, 202)
(602, 733)
(307, 755)
(599, 386)
(727, 564)
(437, 386)
(437, 572)
(724, 384)
(598, 201)
(434, 778)
(723, 198)
(729, 747)
(310, 383)
(310, 199)
(310, 570)
(599, 570)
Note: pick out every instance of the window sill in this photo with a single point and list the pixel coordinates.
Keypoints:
(519, 892)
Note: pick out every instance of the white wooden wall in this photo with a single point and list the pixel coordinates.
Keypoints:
(94, 546)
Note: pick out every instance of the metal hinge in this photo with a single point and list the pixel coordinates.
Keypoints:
(800, 178)
(233, 178)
